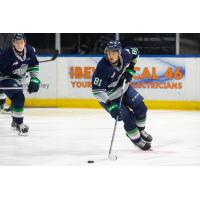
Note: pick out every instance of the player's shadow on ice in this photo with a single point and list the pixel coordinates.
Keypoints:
(151, 152)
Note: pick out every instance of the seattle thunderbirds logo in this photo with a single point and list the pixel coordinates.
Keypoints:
(21, 71)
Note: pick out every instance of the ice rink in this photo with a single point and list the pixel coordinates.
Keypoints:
(74, 136)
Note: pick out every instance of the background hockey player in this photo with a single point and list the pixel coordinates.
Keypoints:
(15, 63)
(107, 80)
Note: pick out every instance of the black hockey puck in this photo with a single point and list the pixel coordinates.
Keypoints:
(90, 161)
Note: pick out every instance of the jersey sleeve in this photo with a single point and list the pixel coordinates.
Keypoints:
(33, 67)
(99, 83)
(134, 53)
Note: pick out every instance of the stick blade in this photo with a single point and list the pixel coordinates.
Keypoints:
(55, 54)
(112, 157)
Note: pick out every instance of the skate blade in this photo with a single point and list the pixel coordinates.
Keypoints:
(5, 113)
(19, 133)
(151, 149)
(22, 134)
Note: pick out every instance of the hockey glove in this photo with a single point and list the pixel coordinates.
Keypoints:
(128, 74)
(113, 108)
(34, 85)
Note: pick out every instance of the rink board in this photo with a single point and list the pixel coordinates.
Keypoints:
(166, 82)
(89, 103)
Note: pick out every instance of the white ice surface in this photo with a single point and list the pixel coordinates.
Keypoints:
(74, 136)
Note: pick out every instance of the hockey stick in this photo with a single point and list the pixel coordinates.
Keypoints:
(55, 55)
(110, 156)
(13, 88)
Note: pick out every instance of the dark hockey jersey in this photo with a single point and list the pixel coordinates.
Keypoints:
(14, 66)
(106, 77)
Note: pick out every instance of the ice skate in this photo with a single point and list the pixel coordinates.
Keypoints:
(22, 129)
(145, 136)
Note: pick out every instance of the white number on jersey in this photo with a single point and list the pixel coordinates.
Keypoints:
(97, 81)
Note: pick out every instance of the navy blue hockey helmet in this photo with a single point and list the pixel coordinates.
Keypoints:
(113, 45)
(19, 36)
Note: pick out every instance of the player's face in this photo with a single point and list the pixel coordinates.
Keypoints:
(19, 45)
(113, 56)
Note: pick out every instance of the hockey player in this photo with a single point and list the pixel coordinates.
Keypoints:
(107, 80)
(15, 63)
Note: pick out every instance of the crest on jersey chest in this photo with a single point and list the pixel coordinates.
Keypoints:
(115, 81)
(21, 71)
(113, 84)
